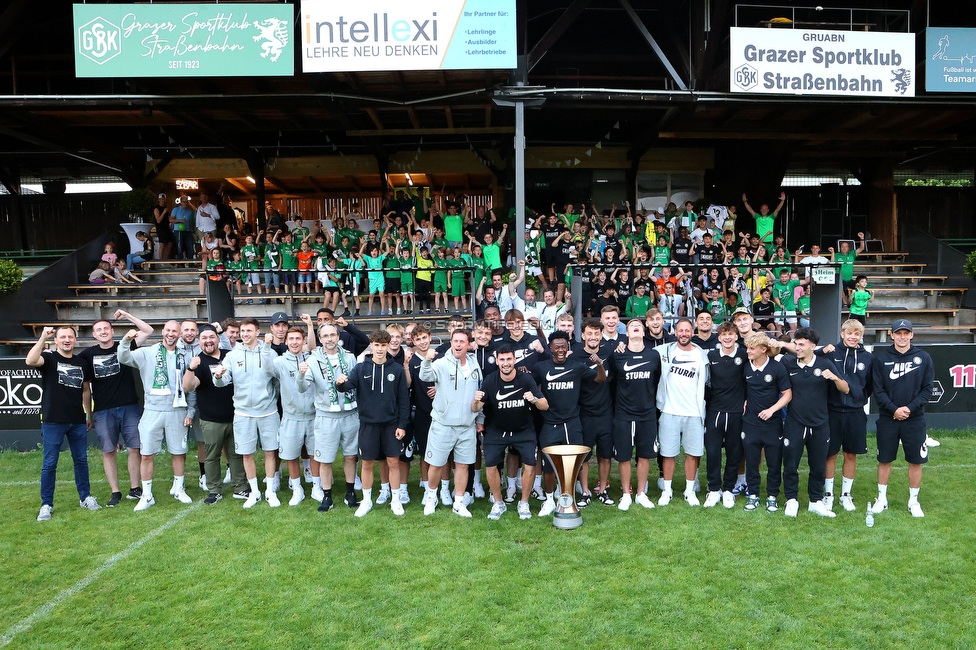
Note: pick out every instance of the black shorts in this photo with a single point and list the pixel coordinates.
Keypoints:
(420, 429)
(598, 430)
(568, 433)
(379, 441)
(910, 433)
(848, 431)
(392, 285)
(560, 267)
(629, 435)
(497, 442)
(330, 290)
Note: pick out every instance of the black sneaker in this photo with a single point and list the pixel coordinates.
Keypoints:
(604, 498)
(351, 500)
(134, 494)
(213, 498)
(115, 500)
(583, 500)
(326, 504)
(243, 493)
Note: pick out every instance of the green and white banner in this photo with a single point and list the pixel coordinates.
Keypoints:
(184, 40)
(376, 35)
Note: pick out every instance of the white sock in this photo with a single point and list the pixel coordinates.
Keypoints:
(431, 492)
(538, 482)
(549, 496)
(178, 483)
(253, 482)
(295, 484)
(307, 463)
(511, 483)
(423, 484)
(828, 486)
(740, 479)
(882, 491)
(317, 482)
(368, 495)
(269, 484)
(458, 499)
(477, 476)
(445, 484)
(689, 485)
(147, 489)
(384, 487)
(278, 476)
(667, 485)
(847, 484)
(913, 494)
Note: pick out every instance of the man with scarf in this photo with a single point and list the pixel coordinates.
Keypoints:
(168, 410)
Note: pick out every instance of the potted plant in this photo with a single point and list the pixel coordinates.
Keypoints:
(138, 204)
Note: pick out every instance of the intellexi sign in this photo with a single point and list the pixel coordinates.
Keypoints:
(950, 60)
(184, 40)
(818, 62)
(416, 35)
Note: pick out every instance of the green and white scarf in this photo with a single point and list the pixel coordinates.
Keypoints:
(349, 397)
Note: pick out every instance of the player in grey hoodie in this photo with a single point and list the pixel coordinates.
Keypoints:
(298, 412)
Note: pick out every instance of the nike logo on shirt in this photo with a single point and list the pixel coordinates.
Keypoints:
(628, 367)
(552, 377)
(501, 398)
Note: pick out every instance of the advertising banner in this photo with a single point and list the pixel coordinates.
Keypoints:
(954, 390)
(820, 62)
(950, 60)
(184, 40)
(418, 35)
(20, 395)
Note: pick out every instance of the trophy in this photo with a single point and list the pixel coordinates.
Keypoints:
(567, 461)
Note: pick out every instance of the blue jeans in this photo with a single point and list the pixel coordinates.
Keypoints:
(185, 245)
(52, 436)
(132, 259)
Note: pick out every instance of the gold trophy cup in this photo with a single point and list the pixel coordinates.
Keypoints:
(567, 461)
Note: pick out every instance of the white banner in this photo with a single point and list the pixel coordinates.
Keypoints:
(818, 62)
(372, 35)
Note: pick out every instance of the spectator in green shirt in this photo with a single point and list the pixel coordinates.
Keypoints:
(859, 299)
(764, 220)
(783, 296)
(846, 257)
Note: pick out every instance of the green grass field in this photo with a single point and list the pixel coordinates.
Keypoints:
(219, 577)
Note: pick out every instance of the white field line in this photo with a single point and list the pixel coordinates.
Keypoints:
(74, 589)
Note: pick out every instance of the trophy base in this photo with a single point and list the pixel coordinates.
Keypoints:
(567, 521)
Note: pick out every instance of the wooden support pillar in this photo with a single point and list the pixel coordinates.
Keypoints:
(882, 207)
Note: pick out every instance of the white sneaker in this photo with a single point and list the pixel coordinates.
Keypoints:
(144, 503)
(817, 507)
(397, 507)
(308, 474)
(931, 442)
(272, 498)
(227, 476)
(625, 500)
(297, 496)
(461, 510)
(523, 510)
(467, 499)
(430, 504)
(697, 486)
(383, 497)
(358, 484)
(793, 507)
(183, 497)
(643, 500)
(691, 498)
(829, 500)
(479, 491)
(880, 505)
(446, 498)
(364, 508)
(318, 493)
(847, 502)
(45, 513)
(510, 494)
(404, 495)
(497, 510)
(712, 499)
(252, 499)
(728, 499)
(203, 482)
(666, 497)
(276, 484)
(89, 503)
(916, 509)
(548, 507)
(660, 484)
(173, 490)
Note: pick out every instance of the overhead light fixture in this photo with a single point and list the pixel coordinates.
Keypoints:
(409, 180)
(250, 179)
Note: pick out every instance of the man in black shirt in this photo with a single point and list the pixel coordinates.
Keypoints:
(63, 406)
(807, 420)
(767, 392)
(421, 398)
(116, 409)
(704, 337)
(596, 412)
(655, 334)
(561, 380)
(507, 397)
(681, 252)
(216, 406)
(724, 402)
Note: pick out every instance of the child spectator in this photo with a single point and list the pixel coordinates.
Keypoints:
(101, 274)
(859, 299)
(109, 254)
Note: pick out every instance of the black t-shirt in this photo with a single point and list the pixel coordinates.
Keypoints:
(418, 387)
(763, 388)
(624, 291)
(62, 378)
(525, 357)
(636, 375)
(595, 397)
(113, 384)
(727, 390)
(810, 390)
(551, 234)
(561, 384)
(679, 253)
(652, 342)
(505, 407)
(706, 344)
(708, 254)
(762, 311)
(215, 404)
